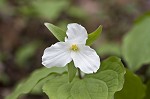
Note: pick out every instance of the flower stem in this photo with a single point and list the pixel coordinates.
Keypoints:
(71, 71)
(79, 73)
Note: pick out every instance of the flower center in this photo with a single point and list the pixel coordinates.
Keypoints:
(74, 47)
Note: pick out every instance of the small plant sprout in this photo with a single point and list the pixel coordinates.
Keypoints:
(73, 49)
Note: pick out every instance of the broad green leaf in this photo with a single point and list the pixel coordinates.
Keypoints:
(110, 78)
(115, 64)
(147, 90)
(71, 71)
(94, 35)
(28, 85)
(51, 87)
(136, 45)
(87, 88)
(133, 88)
(38, 87)
(101, 85)
(64, 91)
(56, 31)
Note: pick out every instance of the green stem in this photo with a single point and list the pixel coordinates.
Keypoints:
(71, 71)
(79, 73)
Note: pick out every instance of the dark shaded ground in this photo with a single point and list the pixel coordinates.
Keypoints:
(17, 30)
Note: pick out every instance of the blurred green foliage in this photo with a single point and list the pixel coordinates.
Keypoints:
(136, 45)
(5, 8)
(109, 48)
(26, 52)
(50, 9)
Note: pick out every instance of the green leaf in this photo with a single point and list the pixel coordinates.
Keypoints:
(101, 85)
(28, 85)
(133, 88)
(136, 45)
(51, 87)
(147, 90)
(115, 64)
(94, 35)
(38, 87)
(88, 88)
(56, 31)
(64, 91)
(71, 71)
(110, 78)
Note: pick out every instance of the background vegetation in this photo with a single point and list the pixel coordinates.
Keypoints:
(126, 34)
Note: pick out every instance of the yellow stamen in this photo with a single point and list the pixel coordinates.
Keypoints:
(74, 47)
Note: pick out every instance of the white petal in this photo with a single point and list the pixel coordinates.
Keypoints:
(56, 55)
(86, 59)
(76, 33)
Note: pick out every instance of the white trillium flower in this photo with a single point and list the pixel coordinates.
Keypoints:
(74, 48)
